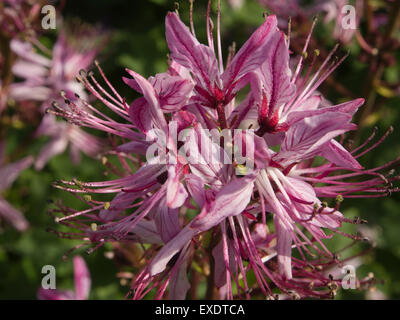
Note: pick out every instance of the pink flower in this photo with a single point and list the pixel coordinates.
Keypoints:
(17, 17)
(44, 79)
(82, 285)
(282, 189)
(8, 174)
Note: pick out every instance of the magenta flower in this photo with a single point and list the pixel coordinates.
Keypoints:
(8, 174)
(44, 79)
(254, 222)
(82, 285)
(16, 17)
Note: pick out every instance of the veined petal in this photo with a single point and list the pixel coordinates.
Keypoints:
(307, 137)
(244, 114)
(309, 104)
(349, 107)
(252, 54)
(276, 74)
(149, 94)
(161, 260)
(220, 267)
(176, 192)
(139, 112)
(338, 155)
(29, 70)
(252, 148)
(184, 119)
(188, 52)
(167, 221)
(173, 92)
(146, 230)
(195, 186)
(179, 284)
(230, 201)
(133, 84)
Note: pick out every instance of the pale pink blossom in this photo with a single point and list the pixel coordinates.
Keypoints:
(8, 174)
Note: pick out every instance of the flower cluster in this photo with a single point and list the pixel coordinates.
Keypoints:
(44, 78)
(32, 76)
(268, 222)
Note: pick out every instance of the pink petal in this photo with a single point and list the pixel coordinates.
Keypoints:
(220, 268)
(133, 84)
(184, 119)
(307, 137)
(29, 91)
(149, 94)
(167, 252)
(252, 148)
(173, 92)
(195, 186)
(49, 126)
(230, 201)
(138, 147)
(252, 54)
(139, 112)
(146, 230)
(56, 146)
(81, 278)
(167, 221)
(26, 51)
(337, 154)
(13, 216)
(245, 111)
(10, 172)
(179, 283)
(29, 70)
(276, 75)
(188, 52)
(309, 104)
(53, 294)
(349, 107)
(176, 192)
(283, 248)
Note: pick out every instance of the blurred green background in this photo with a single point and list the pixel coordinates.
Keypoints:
(138, 42)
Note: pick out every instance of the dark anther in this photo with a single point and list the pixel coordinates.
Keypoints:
(162, 178)
(173, 259)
